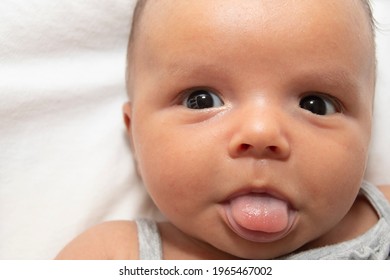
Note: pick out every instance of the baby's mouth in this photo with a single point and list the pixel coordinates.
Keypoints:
(259, 217)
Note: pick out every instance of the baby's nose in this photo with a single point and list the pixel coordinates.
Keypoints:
(260, 133)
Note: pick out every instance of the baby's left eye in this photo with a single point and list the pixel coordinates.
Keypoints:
(320, 104)
(202, 99)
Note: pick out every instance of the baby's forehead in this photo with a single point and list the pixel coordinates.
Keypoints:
(153, 14)
(160, 19)
(173, 6)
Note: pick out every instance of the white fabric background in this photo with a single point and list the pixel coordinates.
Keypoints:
(64, 160)
(378, 170)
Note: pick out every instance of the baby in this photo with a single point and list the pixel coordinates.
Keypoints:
(250, 125)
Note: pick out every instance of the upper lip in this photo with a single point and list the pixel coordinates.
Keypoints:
(266, 190)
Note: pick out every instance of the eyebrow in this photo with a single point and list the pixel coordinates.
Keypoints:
(189, 68)
(334, 79)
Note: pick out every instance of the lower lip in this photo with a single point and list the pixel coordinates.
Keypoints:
(259, 236)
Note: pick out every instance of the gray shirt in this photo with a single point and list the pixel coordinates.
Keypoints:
(372, 245)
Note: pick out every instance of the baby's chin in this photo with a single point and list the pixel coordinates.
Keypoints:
(230, 245)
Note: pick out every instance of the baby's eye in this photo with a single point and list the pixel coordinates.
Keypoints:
(202, 99)
(320, 104)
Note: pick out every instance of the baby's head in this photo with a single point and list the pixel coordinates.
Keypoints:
(250, 120)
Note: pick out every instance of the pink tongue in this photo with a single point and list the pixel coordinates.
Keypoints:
(259, 212)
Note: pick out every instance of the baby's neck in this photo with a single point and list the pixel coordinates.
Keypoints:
(177, 245)
(360, 218)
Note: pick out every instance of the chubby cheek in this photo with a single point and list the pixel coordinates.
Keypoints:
(335, 178)
(176, 168)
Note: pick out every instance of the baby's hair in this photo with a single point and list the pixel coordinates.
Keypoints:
(138, 9)
(367, 6)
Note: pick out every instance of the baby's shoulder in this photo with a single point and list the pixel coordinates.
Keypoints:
(109, 240)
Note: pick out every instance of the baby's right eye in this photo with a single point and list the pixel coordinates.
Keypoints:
(202, 99)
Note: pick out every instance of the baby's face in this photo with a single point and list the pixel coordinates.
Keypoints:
(250, 120)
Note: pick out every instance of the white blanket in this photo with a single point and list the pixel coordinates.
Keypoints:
(64, 160)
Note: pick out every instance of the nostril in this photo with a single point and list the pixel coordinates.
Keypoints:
(273, 148)
(244, 147)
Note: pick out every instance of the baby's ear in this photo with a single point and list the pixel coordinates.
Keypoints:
(127, 119)
(127, 109)
(126, 114)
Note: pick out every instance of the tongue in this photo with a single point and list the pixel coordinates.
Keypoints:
(259, 212)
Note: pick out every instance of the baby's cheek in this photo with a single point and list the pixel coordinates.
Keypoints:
(176, 177)
(345, 176)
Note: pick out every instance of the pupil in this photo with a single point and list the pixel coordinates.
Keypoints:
(200, 99)
(314, 104)
(204, 101)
